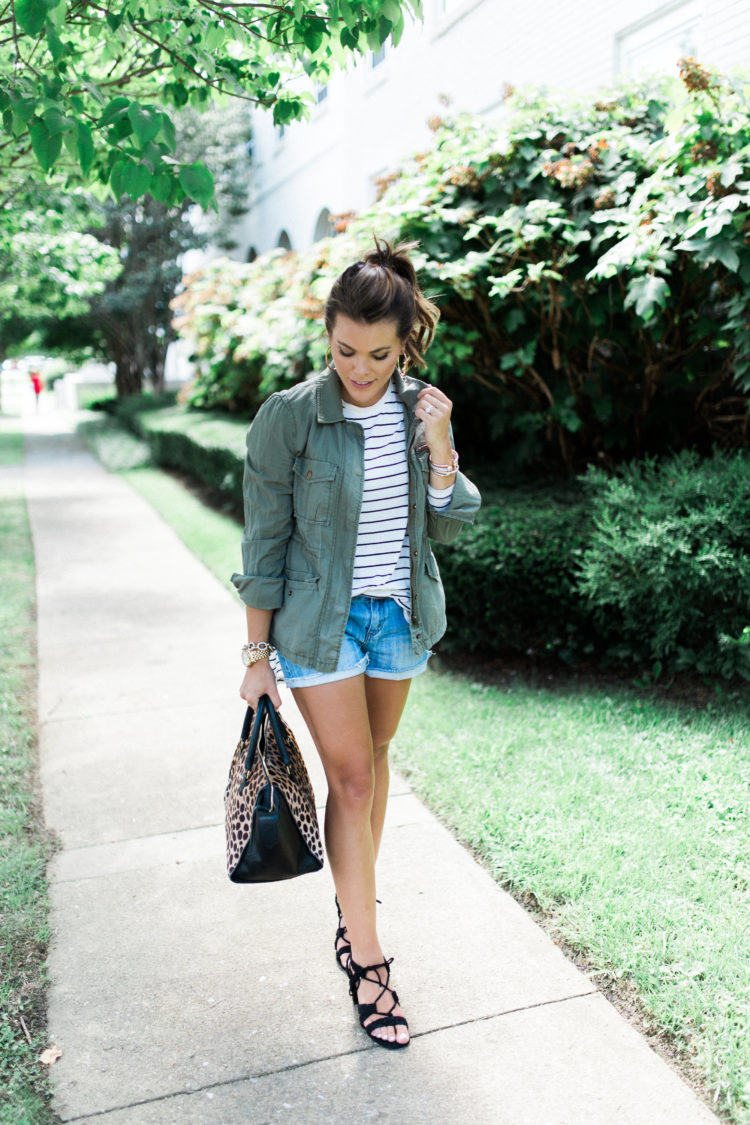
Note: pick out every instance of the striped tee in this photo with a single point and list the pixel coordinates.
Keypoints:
(381, 559)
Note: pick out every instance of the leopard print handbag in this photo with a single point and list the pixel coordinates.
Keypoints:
(270, 819)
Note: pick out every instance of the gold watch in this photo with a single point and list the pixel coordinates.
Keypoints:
(253, 651)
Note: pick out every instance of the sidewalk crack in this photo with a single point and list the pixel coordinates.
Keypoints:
(228, 1082)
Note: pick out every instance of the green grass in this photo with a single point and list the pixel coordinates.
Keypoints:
(213, 537)
(625, 820)
(622, 816)
(24, 844)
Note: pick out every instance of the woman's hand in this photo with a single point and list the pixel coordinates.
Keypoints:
(259, 679)
(434, 409)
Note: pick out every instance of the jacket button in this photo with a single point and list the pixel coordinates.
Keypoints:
(308, 474)
(290, 592)
(415, 620)
(415, 552)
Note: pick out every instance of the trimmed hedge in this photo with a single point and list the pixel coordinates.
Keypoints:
(648, 569)
(210, 448)
(511, 580)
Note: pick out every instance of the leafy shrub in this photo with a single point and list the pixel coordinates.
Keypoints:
(510, 580)
(129, 407)
(666, 569)
(208, 448)
(591, 262)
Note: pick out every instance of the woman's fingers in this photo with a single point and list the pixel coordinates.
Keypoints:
(433, 406)
(259, 679)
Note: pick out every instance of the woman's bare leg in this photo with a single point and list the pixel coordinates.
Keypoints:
(339, 718)
(386, 700)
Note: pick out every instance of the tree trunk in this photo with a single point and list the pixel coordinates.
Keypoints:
(128, 376)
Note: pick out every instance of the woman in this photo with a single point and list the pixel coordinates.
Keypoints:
(346, 476)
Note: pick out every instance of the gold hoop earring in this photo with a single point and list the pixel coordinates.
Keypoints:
(329, 363)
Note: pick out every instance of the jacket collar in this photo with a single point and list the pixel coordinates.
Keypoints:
(328, 395)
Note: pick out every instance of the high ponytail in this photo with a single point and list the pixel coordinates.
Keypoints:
(384, 286)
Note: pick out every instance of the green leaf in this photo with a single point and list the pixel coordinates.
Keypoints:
(214, 35)
(312, 33)
(136, 180)
(721, 250)
(56, 46)
(94, 90)
(85, 146)
(23, 111)
(30, 15)
(46, 146)
(197, 183)
(145, 121)
(116, 108)
(57, 12)
(116, 175)
(161, 187)
(646, 293)
(55, 121)
(348, 38)
(52, 86)
(168, 132)
(178, 93)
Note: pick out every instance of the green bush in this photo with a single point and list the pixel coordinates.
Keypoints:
(208, 448)
(510, 580)
(666, 570)
(592, 266)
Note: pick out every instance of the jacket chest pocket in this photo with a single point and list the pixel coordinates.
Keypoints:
(313, 490)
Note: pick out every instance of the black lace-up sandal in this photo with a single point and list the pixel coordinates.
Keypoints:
(358, 973)
(343, 951)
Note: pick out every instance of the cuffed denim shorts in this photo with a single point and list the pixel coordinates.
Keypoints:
(377, 641)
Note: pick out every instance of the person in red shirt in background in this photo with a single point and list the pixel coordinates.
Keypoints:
(36, 382)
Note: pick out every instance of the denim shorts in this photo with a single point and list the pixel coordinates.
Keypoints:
(377, 641)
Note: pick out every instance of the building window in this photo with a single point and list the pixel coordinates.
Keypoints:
(378, 57)
(284, 241)
(251, 255)
(321, 92)
(656, 42)
(324, 226)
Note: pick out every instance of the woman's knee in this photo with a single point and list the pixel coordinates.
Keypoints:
(353, 787)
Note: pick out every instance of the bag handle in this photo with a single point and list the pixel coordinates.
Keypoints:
(278, 730)
(254, 720)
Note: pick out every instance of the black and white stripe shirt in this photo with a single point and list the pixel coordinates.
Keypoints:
(381, 560)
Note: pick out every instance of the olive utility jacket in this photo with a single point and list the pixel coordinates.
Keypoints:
(303, 483)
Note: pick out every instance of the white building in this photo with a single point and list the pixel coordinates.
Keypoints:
(375, 113)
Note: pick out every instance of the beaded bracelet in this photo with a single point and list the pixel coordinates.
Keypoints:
(445, 470)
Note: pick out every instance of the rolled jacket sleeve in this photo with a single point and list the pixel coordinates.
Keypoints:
(443, 525)
(267, 492)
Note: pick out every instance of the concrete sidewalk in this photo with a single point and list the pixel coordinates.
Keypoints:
(179, 998)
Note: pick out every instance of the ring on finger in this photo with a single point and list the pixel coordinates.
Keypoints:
(428, 409)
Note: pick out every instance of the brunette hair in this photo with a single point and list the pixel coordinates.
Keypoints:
(383, 286)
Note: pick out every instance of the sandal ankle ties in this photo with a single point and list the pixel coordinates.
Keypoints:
(358, 973)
